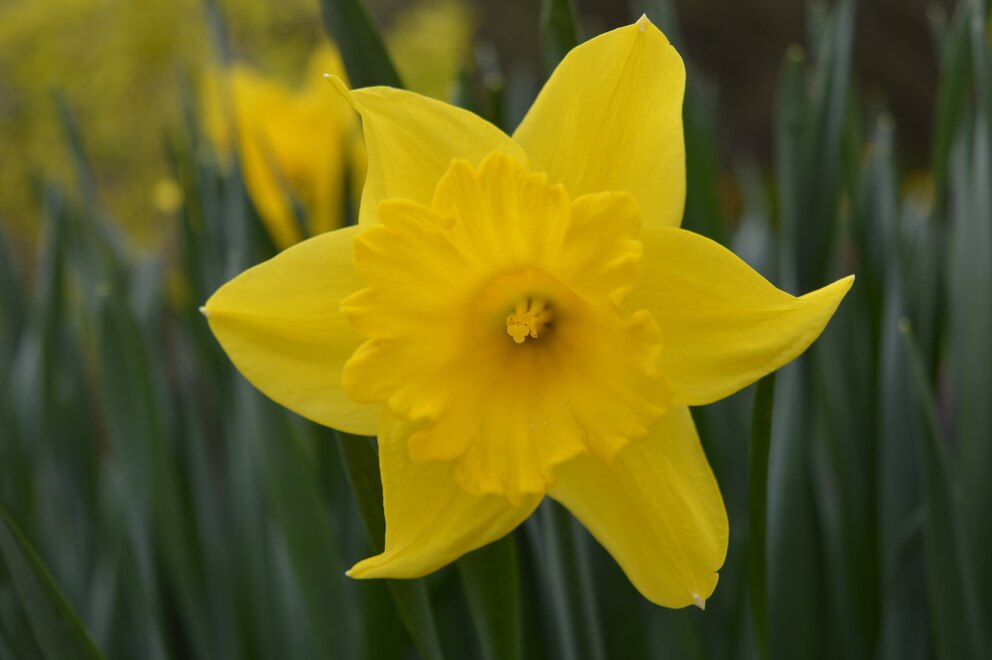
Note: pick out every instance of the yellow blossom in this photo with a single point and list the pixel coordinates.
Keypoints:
(521, 316)
(295, 145)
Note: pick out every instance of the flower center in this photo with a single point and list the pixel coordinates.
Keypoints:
(528, 320)
(501, 252)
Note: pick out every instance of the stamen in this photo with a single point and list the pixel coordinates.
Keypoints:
(528, 320)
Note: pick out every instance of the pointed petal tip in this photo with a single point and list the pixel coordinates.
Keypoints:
(643, 22)
(366, 569)
(835, 290)
(359, 572)
(699, 601)
(341, 88)
(203, 310)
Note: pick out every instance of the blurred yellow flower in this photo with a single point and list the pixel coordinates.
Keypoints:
(298, 147)
(521, 316)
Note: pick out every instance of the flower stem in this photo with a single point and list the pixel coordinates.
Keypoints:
(567, 570)
(757, 509)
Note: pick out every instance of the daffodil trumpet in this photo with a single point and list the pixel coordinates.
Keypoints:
(521, 316)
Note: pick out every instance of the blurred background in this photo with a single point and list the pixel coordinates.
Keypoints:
(154, 505)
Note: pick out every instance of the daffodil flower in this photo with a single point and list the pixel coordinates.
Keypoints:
(521, 316)
(295, 145)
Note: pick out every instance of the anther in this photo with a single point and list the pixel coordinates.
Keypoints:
(527, 320)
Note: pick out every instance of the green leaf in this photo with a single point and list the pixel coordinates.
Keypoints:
(31, 375)
(133, 392)
(56, 627)
(903, 629)
(386, 635)
(795, 563)
(702, 203)
(757, 510)
(85, 180)
(465, 94)
(11, 303)
(971, 318)
(299, 510)
(953, 602)
(821, 183)
(490, 577)
(559, 33)
(952, 96)
(362, 48)
(793, 560)
(362, 467)
(569, 583)
(789, 123)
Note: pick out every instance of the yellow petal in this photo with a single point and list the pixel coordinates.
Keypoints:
(723, 325)
(656, 508)
(280, 325)
(610, 118)
(430, 520)
(411, 140)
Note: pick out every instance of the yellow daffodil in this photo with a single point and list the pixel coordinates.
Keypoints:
(521, 316)
(295, 145)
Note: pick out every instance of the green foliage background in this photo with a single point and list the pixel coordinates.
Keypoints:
(153, 505)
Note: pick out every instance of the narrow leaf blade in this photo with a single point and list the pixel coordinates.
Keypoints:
(757, 514)
(362, 48)
(953, 602)
(559, 33)
(56, 627)
(490, 577)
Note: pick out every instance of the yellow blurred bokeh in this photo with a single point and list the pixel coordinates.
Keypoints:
(122, 68)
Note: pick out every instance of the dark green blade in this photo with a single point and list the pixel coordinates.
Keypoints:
(491, 580)
(953, 602)
(757, 511)
(362, 48)
(56, 627)
(559, 33)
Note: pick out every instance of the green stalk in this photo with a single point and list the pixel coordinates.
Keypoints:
(953, 601)
(57, 629)
(362, 48)
(568, 571)
(559, 33)
(757, 510)
(491, 580)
